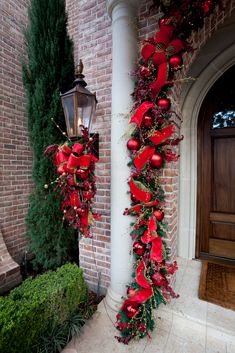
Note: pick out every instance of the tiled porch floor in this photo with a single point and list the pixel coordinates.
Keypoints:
(186, 325)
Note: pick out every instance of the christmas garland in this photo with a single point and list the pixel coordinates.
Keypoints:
(151, 144)
(75, 162)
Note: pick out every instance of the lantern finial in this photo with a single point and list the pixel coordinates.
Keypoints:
(79, 77)
(79, 68)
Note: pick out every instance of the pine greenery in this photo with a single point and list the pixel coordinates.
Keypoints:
(48, 71)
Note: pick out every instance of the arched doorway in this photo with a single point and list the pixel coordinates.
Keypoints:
(216, 173)
(216, 57)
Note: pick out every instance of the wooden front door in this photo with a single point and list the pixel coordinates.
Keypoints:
(216, 173)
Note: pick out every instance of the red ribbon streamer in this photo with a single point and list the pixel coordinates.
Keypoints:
(138, 116)
(156, 251)
(138, 208)
(140, 195)
(140, 277)
(75, 200)
(164, 35)
(150, 234)
(84, 219)
(60, 158)
(143, 157)
(139, 297)
(160, 81)
(159, 136)
(85, 161)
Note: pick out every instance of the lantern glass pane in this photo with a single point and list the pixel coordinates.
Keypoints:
(85, 109)
(69, 115)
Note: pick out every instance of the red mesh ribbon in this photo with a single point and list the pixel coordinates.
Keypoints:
(159, 136)
(140, 195)
(138, 116)
(143, 157)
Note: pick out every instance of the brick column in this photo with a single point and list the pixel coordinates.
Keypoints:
(124, 54)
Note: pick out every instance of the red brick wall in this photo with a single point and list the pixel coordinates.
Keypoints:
(90, 28)
(15, 155)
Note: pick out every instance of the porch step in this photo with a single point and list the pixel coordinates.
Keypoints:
(9, 270)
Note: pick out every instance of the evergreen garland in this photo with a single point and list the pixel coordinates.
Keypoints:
(48, 71)
(152, 143)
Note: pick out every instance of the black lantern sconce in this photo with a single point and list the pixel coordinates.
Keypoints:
(79, 106)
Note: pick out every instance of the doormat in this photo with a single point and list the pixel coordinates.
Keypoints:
(217, 284)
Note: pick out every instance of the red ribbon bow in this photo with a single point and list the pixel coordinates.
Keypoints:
(163, 48)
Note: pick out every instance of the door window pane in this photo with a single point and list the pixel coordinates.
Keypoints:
(223, 119)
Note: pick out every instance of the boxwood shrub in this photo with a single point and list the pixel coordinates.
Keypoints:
(28, 311)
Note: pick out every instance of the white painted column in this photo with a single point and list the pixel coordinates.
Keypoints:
(124, 56)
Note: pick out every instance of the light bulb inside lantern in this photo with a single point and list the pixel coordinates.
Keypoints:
(79, 126)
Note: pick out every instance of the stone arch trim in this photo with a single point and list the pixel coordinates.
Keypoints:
(214, 59)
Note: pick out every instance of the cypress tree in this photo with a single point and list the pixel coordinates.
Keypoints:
(49, 70)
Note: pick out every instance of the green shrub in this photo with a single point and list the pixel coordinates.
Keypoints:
(30, 310)
(48, 70)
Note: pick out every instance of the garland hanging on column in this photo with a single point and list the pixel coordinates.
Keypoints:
(151, 144)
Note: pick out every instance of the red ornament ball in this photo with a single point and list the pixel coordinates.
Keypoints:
(133, 198)
(130, 291)
(158, 279)
(156, 161)
(71, 180)
(159, 215)
(175, 61)
(133, 144)
(83, 174)
(147, 120)
(164, 103)
(138, 248)
(132, 310)
(144, 71)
